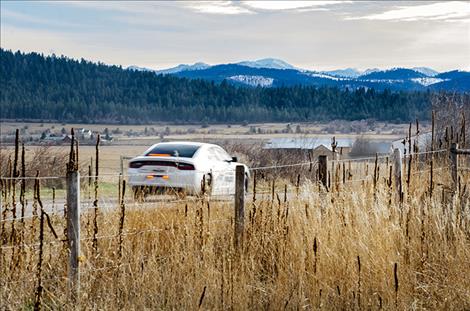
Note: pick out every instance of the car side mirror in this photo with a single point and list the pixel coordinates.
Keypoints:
(234, 159)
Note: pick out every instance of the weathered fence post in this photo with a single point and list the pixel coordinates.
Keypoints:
(95, 201)
(297, 185)
(323, 170)
(398, 174)
(254, 187)
(454, 165)
(431, 164)
(121, 164)
(73, 230)
(239, 203)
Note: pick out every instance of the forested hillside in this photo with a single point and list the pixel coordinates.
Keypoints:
(62, 89)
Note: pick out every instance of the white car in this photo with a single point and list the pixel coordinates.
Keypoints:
(184, 166)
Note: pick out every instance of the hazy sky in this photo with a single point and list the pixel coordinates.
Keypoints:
(318, 35)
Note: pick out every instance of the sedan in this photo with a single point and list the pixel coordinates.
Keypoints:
(188, 167)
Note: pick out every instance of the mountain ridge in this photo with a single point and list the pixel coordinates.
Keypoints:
(397, 79)
(273, 72)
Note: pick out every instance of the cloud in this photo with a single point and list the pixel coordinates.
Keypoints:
(289, 5)
(217, 7)
(252, 7)
(446, 11)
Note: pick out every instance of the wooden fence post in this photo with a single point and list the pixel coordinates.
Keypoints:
(398, 174)
(454, 165)
(73, 231)
(121, 164)
(323, 170)
(431, 164)
(239, 203)
(254, 187)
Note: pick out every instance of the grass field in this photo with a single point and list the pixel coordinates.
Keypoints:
(347, 249)
(354, 245)
(129, 145)
(373, 129)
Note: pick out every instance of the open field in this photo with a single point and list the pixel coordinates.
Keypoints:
(144, 134)
(350, 248)
(109, 155)
(132, 140)
(354, 244)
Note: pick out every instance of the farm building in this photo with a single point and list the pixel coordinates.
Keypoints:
(55, 139)
(345, 147)
(309, 145)
(84, 133)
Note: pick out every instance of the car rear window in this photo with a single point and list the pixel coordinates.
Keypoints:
(173, 150)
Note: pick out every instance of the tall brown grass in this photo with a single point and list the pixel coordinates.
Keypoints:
(48, 161)
(340, 249)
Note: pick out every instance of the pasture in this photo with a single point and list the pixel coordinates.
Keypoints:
(355, 242)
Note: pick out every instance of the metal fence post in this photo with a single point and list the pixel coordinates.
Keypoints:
(73, 231)
(239, 203)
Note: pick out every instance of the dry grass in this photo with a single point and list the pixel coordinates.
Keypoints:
(214, 130)
(318, 250)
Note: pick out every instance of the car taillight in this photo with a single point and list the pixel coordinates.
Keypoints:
(136, 164)
(185, 167)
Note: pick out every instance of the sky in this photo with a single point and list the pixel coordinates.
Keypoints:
(315, 35)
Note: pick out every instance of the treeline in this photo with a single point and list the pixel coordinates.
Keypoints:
(62, 89)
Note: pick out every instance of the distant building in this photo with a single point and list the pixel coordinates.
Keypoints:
(314, 145)
(67, 139)
(84, 133)
(323, 146)
(52, 137)
(55, 139)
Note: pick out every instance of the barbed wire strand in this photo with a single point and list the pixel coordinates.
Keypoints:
(426, 152)
(102, 237)
(216, 171)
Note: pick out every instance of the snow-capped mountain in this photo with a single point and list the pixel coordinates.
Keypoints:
(272, 63)
(271, 72)
(426, 71)
(392, 74)
(179, 68)
(253, 80)
(344, 73)
(184, 67)
(325, 75)
(426, 81)
(371, 70)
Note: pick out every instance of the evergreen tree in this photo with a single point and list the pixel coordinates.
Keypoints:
(52, 88)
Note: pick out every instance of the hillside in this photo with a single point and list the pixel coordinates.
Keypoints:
(63, 89)
(393, 74)
(398, 79)
(271, 72)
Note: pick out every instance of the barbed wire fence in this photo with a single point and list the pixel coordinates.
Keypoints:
(37, 213)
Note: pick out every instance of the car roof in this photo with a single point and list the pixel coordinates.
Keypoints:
(187, 143)
(200, 145)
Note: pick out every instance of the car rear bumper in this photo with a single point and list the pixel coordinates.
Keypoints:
(189, 181)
